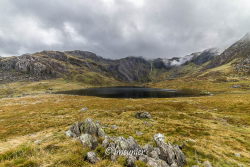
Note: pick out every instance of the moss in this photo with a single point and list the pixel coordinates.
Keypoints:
(122, 161)
(140, 164)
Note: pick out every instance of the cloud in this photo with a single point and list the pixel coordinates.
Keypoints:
(119, 28)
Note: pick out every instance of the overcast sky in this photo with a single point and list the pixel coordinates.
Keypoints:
(119, 28)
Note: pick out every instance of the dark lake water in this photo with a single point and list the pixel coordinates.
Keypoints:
(127, 92)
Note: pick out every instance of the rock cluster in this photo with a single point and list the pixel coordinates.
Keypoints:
(161, 155)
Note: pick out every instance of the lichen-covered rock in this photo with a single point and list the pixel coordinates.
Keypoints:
(170, 153)
(92, 157)
(156, 162)
(75, 130)
(89, 127)
(86, 127)
(89, 140)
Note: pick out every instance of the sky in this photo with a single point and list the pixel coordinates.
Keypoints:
(120, 28)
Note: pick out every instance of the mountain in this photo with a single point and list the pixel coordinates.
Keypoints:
(189, 65)
(238, 55)
(79, 65)
(88, 67)
(200, 58)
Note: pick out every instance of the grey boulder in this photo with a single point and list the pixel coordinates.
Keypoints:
(92, 157)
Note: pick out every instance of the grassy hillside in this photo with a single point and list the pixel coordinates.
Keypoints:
(213, 128)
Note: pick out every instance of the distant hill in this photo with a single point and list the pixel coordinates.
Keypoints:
(87, 67)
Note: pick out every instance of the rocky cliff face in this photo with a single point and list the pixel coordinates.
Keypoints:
(54, 64)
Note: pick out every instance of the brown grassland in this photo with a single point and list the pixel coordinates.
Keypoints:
(33, 122)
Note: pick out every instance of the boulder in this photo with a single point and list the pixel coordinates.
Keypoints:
(170, 153)
(75, 130)
(86, 127)
(143, 115)
(92, 157)
(89, 141)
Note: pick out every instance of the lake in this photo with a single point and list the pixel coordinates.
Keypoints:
(127, 92)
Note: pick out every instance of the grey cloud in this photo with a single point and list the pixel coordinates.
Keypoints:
(119, 28)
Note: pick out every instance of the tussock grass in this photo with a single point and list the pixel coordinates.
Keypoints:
(210, 128)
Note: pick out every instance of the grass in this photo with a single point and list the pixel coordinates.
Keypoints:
(211, 128)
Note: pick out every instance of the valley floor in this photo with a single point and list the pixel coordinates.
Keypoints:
(214, 128)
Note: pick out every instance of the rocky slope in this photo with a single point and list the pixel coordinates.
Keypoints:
(85, 66)
(54, 64)
(88, 67)
(192, 65)
(238, 54)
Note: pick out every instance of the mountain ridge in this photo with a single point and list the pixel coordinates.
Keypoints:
(86, 66)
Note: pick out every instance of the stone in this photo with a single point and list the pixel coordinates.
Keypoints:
(75, 130)
(114, 126)
(88, 141)
(159, 137)
(236, 86)
(143, 115)
(237, 155)
(92, 157)
(174, 165)
(100, 132)
(89, 127)
(156, 163)
(154, 154)
(106, 142)
(143, 158)
(38, 142)
(69, 133)
(139, 133)
(131, 161)
(207, 164)
(169, 153)
(84, 109)
(86, 127)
